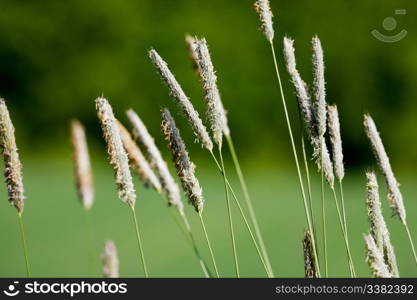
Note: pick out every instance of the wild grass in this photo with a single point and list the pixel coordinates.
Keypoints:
(137, 150)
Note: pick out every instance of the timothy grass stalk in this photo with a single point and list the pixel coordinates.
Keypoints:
(229, 211)
(139, 239)
(13, 171)
(25, 247)
(242, 213)
(249, 204)
(203, 225)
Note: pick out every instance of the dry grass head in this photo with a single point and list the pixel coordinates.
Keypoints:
(375, 259)
(182, 100)
(336, 140)
(82, 165)
(117, 154)
(12, 164)
(110, 260)
(395, 197)
(265, 16)
(185, 168)
(310, 264)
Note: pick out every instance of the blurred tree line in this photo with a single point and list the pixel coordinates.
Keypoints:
(56, 57)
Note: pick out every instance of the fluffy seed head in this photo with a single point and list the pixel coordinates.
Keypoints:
(379, 230)
(117, 154)
(12, 164)
(395, 197)
(137, 160)
(110, 260)
(182, 100)
(310, 267)
(321, 153)
(185, 167)
(375, 259)
(336, 140)
(215, 110)
(168, 184)
(265, 16)
(82, 166)
(303, 96)
(319, 85)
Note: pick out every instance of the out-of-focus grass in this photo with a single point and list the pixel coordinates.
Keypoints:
(58, 244)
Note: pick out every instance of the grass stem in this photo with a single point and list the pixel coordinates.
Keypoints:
(350, 261)
(300, 179)
(249, 204)
(209, 245)
(25, 248)
(242, 213)
(229, 211)
(141, 254)
(323, 211)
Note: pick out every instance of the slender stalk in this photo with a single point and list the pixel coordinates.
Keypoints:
(209, 245)
(350, 261)
(25, 248)
(255, 243)
(229, 211)
(249, 204)
(343, 205)
(300, 179)
(323, 211)
(189, 236)
(141, 254)
(411, 242)
(194, 245)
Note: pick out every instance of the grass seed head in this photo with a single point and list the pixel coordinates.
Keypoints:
(265, 16)
(395, 197)
(375, 259)
(310, 267)
(215, 110)
(82, 165)
(12, 164)
(185, 167)
(182, 100)
(110, 260)
(378, 227)
(117, 154)
(319, 85)
(336, 141)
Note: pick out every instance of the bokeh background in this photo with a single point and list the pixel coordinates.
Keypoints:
(56, 57)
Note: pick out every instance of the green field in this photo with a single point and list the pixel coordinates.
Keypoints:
(59, 241)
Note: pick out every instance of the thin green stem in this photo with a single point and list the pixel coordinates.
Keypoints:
(209, 245)
(249, 204)
(229, 211)
(300, 179)
(194, 245)
(141, 254)
(243, 217)
(310, 197)
(411, 242)
(350, 261)
(189, 237)
(25, 248)
(323, 211)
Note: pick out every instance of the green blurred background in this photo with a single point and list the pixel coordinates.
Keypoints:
(56, 57)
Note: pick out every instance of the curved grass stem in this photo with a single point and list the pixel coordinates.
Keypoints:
(25, 248)
(209, 245)
(229, 211)
(141, 253)
(243, 217)
(249, 204)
